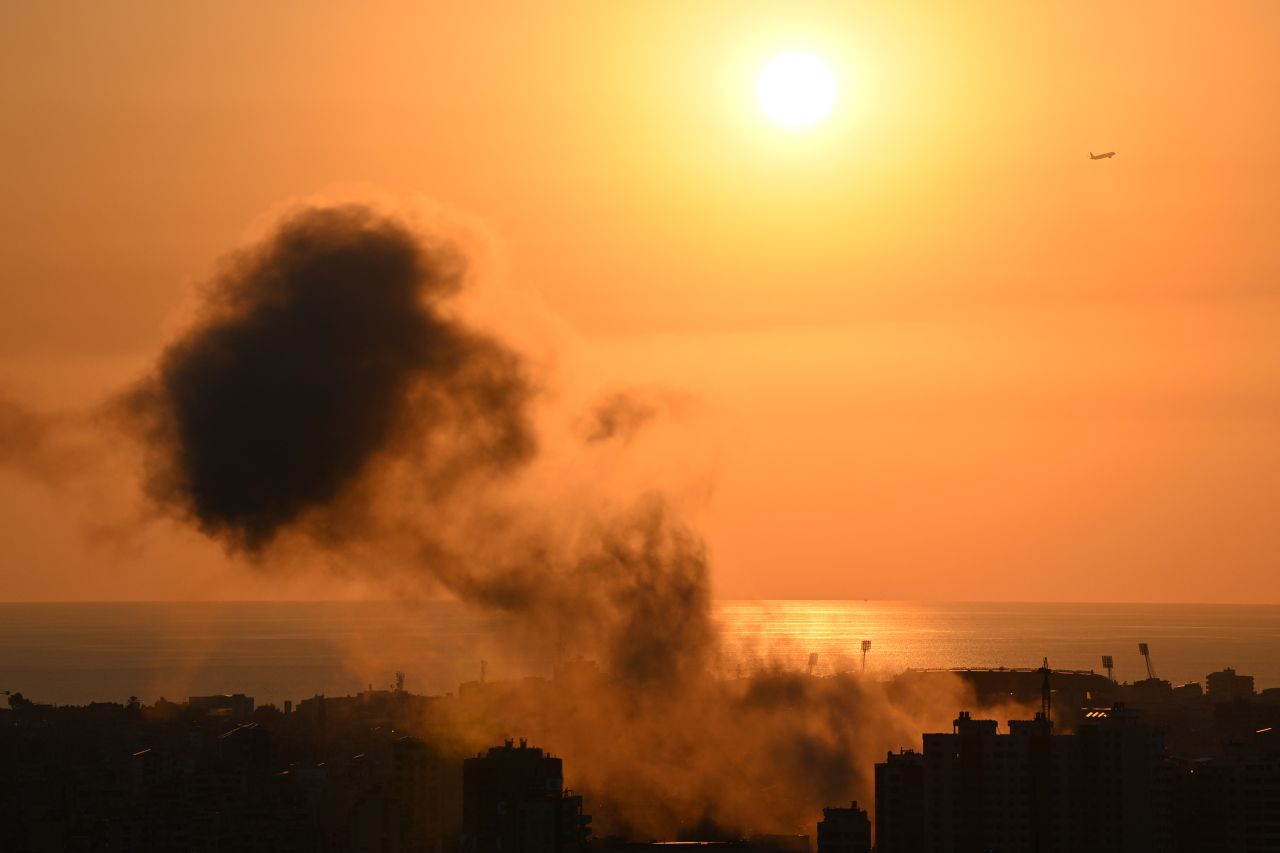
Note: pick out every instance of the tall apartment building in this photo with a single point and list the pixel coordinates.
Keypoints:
(513, 801)
(975, 789)
(900, 803)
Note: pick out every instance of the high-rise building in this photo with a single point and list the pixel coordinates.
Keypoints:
(1231, 801)
(974, 789)
(987, 791)
(1123, 783)
(900, 803)
(513, 801)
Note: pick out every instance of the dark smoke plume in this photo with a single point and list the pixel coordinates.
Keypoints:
(631, 587)
(328, 391)
(325, 374)
(325, 353)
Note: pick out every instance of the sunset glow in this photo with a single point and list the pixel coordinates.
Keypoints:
(925, 344)
(606, 427)
(796, 89)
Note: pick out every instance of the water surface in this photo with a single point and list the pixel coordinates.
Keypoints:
(75, 653)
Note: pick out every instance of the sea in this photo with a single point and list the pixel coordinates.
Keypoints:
(107, 652)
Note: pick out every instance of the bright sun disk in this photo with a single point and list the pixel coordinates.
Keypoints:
(796, 89)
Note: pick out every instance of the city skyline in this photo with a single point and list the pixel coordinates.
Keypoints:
(628, 427)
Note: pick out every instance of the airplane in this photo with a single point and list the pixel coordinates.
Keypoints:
(1093, 156)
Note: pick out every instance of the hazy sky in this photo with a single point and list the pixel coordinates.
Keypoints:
(933, 351)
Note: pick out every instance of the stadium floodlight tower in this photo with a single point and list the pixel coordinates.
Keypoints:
(813, 661)
(1145, 651)
(1108, 663)
(866, 647)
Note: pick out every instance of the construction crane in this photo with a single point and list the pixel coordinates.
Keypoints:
(866, 647)
(1145, 651)
(1108, 663)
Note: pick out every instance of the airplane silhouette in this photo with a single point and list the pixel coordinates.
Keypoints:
(1093, 156)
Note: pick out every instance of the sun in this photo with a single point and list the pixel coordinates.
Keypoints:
(796, 89)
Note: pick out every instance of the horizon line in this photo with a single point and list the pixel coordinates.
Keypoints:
(373, 600)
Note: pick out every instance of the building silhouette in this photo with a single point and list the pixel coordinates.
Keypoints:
(188, 777)
(1227, 686)
(1029, 790)
(1232, 801)
(514, 801)
(984, 790)
(844, 830)
(233, 707)
(900, 803)
(1123, 783)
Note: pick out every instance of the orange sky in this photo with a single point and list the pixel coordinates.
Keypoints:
(936, 351)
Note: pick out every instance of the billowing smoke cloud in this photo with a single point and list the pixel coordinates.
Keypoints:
(326, 372)
(324, 353)
(330, 396)
(710, 758)
(630, 586)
